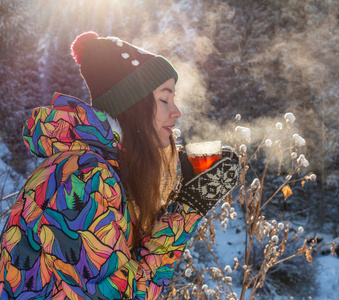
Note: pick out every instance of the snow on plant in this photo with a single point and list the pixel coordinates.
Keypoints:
(279, 125)
(294, 155)
(243, 148)
(268, 143)
(289, 118)
(272, 235)
(299, 141)
(243, 133)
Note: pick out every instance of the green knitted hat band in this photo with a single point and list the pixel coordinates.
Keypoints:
(135, 86)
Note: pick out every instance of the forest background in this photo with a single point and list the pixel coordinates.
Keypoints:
(257, 58)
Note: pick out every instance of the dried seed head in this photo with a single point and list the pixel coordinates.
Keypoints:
(290, 118)
(313, 177)
(275, 239)
(298, 140)
(306, 163)
(210, 292)
(300, 229)
(233, 215)
(224, 223)
(243, 148)
(225, 206)
(268, 227)
(187, 254)
(301, 159)
(243, 132)
(228, 269)
(279, 125)
(268, 143)
(188, 272)
(288, 177)
(255, 184)
(294, 155)
(216, 272)
(238, 117)
(281, 226)
(256, 197)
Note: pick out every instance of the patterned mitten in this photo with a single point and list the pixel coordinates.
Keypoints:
(208, 188)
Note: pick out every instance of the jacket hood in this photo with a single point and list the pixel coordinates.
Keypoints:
(70, 124)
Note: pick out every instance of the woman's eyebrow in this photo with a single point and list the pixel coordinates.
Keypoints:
(166, 89)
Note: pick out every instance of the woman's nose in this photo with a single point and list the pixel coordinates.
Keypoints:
(176, 113)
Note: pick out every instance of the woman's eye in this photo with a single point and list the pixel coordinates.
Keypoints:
(163, 101)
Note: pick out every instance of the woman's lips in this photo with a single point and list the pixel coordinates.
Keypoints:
(169, 128)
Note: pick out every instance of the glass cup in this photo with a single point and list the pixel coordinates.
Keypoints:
(202, 155)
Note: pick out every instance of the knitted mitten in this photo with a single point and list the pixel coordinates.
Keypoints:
(208, 188)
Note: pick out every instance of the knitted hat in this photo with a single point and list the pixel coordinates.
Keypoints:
(117, 73)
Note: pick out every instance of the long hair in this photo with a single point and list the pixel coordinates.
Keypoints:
(141, 163)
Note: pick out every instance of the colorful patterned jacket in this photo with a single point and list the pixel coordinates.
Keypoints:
(69, 233)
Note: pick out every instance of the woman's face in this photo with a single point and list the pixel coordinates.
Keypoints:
(166, 112)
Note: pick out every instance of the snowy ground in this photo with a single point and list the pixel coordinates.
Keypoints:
(10, 181)
(227, 245)
(231, 244)
(328, 277)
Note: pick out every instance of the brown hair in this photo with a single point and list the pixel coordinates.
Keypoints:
(141, 163)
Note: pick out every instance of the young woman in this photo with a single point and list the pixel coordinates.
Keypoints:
(97, 219)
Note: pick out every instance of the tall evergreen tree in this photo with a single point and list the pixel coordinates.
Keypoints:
(30, 283)
(85, 273)
(27, 263)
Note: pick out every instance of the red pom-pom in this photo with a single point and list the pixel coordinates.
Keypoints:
(80, 44)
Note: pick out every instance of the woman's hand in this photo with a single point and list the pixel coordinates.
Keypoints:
(205, 190)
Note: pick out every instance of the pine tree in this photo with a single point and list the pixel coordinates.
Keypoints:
(61, 72)
(44, 205)
(30, 283)
(27, 264)
(74, 259)
(85, 273)
(77, 204)
(67, 258)
(17, 262)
